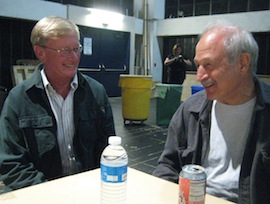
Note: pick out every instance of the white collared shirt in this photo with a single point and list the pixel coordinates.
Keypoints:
(63, 112)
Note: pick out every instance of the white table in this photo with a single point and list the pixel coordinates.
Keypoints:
(84, 188)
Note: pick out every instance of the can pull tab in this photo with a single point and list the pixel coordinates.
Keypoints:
(196, 169)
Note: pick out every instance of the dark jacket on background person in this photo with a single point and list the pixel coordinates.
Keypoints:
(188, 141)
(29, 152)
(176, 71)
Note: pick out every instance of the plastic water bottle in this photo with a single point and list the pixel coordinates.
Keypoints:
(113, 165)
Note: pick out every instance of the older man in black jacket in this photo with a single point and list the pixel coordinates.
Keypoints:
(226, 127)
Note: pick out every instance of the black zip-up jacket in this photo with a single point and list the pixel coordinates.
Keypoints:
(188, 141)
(29, 152)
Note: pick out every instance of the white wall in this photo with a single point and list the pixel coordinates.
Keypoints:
(31, 9)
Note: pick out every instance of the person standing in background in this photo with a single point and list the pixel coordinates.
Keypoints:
(57, 122)
(176, 66)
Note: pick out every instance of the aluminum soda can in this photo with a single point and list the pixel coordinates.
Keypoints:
(192, 185)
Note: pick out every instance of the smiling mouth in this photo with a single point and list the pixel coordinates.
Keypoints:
(69, 66)
(207, 83)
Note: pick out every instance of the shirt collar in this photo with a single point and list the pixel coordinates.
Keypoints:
(46, 83)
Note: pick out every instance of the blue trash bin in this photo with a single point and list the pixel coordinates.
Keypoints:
(196, 88)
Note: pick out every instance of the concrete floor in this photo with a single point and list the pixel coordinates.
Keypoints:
(143, 142)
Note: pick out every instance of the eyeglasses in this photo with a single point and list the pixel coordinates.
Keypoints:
(64, 52)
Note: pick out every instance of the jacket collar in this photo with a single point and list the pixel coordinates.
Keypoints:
(262, 90)
(36, 81)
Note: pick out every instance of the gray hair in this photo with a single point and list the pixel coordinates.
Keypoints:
(236, 41)
(52, 27)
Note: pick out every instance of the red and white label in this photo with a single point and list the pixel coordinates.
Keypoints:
(191, 192)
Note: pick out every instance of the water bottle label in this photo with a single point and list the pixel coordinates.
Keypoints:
(113, 174)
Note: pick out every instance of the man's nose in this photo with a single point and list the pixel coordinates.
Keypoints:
(200, 73)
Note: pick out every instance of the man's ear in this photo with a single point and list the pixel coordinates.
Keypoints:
(244, 62)
(39, 51)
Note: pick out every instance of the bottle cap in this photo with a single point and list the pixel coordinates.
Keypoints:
(115, 140)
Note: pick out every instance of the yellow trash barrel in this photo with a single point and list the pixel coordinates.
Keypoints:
(136, 94)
